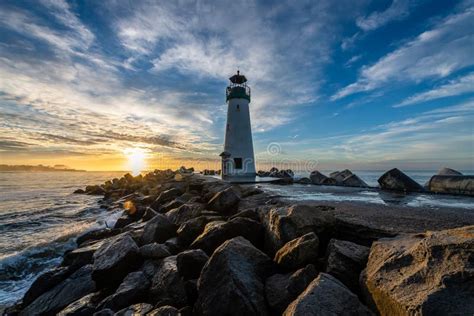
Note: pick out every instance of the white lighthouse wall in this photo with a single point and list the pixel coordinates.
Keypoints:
(238, 137)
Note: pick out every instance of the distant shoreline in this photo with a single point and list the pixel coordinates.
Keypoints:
(38, 168)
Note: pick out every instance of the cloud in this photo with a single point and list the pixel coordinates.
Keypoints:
(398, 10)
(436, 53)
(458, 86)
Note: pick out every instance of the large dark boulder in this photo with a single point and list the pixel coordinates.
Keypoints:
(448, 172)
(132, 290)
(224, 202)
(79, 257)
(45, 282)
(317, 177)
(191, 262)
(282, 289)
(396, 180)
(215, 233)
(79, 284)
(114, 259)
(166, 310)
(158, 229)
(97, 234)
(167, 195)
(326, 296)
(298, 252)
(154, 251)
(422, 274)
(183, 213)
(461, 185)
(84, 306)
(189, 230)
(232, 281)
(345, 260)
(140, 309)
(354, 181)
(339, 176)
(167, 284)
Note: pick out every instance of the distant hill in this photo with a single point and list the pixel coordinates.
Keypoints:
(36, 168)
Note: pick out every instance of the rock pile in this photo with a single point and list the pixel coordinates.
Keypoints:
(195, 245)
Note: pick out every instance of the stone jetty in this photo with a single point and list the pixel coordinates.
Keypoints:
(189, 244)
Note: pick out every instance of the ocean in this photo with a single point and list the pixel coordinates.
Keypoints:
(40, 216)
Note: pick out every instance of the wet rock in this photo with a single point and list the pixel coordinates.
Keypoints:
(140, 309)
(131, 290)
(190, 263)
(189, 230)
(317, 177)
(171, 205)
(166, 310)
(45, 282)
(282, 289)
(461, 185)
(114, 259)
(167, 284)
(345, 260)
(304, 181)
(166, 196)
(104, 312)
(184, 212)
(154, 251)
(158, 229)
(326, 295)
(215, 233)
(298, 252)
(422, 274)
(224, 202)
(79, 257)
(232, 282)
(123, 221)
(248, 213)
(339, 176)
(173, 245)
(84, 306)
(354, 181)
(149, 214)
(79, 191)
(94, 190)
(396, 180)
(71, 289)
(191, 290)
(286, 223)
(97, 234)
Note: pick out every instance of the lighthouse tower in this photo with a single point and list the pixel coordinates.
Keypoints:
(238, 158)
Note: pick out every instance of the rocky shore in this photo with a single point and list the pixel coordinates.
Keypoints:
(189, 244)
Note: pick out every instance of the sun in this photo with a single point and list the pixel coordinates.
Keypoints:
(136, 160)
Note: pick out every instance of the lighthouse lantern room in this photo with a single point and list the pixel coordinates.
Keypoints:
(238, 157)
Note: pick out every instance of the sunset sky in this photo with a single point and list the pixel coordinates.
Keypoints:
(358, 84)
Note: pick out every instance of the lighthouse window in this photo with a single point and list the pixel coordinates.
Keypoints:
(238, 107)
(238, 163)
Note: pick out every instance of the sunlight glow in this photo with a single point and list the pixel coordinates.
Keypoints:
(136, 160)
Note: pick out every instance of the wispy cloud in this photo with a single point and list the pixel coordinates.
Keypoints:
(398, 10)
(436, 53)
(458, 86)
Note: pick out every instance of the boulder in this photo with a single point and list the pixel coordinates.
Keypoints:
(167, 284)
(339, 176)
(396, 180)
(149, 214)
(45, 282)
(97, 234)
(158, 229)
(183, 213)
(71, 289)
(82, 307)
(114, 259)
(326, 295)
(190, 263)
(461, 185)
(173, 245)
(298, 252)
(140, 309)
(248, 213)
(166, 310)
(232, 281)
(79, 257)
(423, 274)
(132, 290)
(317, 177)
(345, 260)
(286, 223)
(448, 172)
(224, 202)
(154, 251)
(282, 289)
(304, 180)
(215, 233)
(105, 312)
(354, 181)
(189, 230)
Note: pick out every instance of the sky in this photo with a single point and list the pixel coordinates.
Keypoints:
(335, 84)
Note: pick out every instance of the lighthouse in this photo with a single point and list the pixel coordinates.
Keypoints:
(238, 158)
